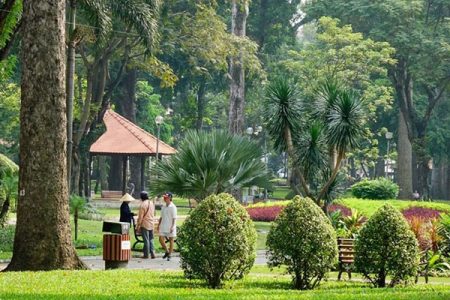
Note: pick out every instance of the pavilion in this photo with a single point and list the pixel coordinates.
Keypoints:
(124, 138)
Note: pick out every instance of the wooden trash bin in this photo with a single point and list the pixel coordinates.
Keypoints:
(116, 250)
(116, 245)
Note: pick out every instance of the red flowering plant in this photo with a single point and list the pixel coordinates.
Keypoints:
(264, 213)
(423, 222)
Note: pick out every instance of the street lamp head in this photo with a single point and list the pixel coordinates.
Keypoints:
(159, 120)
(249, 130)
(259, 129)
(389, 135)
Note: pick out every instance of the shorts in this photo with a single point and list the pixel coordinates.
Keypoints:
(168, 234)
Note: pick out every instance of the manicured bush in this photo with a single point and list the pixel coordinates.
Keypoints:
(264, 214)
(386, 247)
(303, 239)
(7, 238)
(217, 241)
(380, 188)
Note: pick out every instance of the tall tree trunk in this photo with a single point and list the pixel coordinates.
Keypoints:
(424, 165)
(70, 87)
(404, 161)
(200, 104)
(239, 11)
(415, 124)
(128, 105)
(263, 22)
(43, 239)
(440, 181)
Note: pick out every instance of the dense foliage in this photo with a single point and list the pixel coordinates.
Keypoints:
(7, 238)
(217, 241)
(386, 247)
(303, 239)
(380, 188)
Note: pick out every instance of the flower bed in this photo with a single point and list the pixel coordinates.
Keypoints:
(421, 213)
(270, 211)
(345, 211)
(264, 213)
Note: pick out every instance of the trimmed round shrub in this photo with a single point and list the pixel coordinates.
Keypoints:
(380, 188)
(303, 239)
(217, 241)
(386, 247)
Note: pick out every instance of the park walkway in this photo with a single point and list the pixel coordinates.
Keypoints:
(97, 262)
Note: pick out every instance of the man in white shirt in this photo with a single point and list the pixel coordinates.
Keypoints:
(167, 224)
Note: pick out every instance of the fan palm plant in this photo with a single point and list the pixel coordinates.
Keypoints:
(211, 163)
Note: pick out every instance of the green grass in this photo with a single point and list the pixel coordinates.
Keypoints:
(144, 284)
(368, 207)
(281, 192)
(262, 229)
(90, 236)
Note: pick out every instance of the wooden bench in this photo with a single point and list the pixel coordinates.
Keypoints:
(139, 239)
(346, 256)
(112, 194)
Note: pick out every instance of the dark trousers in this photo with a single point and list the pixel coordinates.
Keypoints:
(147, 236)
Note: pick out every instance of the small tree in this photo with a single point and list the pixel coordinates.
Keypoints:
(303, 239)
(217, 241)
(8, 185)
(386, 246)
(77, 205)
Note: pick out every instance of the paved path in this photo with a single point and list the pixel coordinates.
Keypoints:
(97, 262)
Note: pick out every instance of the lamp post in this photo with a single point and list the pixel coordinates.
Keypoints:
(258, 129)
(388, 136)
(158, 121)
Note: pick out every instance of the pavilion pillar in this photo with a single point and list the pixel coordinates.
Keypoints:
(88, 179)
(124, 174)
(142, 173)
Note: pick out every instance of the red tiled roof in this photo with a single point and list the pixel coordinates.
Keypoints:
(124, 137)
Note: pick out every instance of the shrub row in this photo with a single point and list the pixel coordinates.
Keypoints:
(380, 188)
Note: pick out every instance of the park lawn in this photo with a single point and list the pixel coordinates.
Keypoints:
(281, 192)
(142, 284)
(368, 207)
(90, 236)
(262, 229)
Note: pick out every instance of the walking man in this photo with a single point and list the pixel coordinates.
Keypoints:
(167, 224)
(145, 224)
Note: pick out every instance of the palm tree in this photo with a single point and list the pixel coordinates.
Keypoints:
(211, 163)
(332, 125)
(284, 112)
(344, 125)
